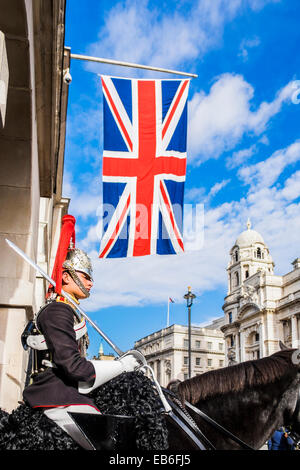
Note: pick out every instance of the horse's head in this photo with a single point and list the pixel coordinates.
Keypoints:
(295, 419)
(292, 411)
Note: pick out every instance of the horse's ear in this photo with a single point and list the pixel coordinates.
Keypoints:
(173, 385)
(282, 346)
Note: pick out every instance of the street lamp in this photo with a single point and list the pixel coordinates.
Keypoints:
(189, 302)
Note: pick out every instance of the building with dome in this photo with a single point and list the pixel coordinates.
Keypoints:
(261, 308)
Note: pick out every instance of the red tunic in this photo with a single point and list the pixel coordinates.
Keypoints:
(59, 386)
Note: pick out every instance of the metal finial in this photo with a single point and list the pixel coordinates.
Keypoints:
(248, 224)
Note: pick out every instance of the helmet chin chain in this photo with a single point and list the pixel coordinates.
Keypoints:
(77, 281)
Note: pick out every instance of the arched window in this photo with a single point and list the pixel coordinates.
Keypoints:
(246, 271)
(258, 252)
(236, 255)
(236, 279)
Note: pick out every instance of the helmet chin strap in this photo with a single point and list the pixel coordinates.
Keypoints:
(77, 281)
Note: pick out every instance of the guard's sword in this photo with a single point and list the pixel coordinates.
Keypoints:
(65, 294)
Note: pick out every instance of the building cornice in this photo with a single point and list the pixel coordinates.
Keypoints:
(164, 352)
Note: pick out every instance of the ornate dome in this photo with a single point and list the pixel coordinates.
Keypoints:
(249, 237)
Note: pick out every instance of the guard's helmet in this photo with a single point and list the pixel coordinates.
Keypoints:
(68, 258)
(78, 260)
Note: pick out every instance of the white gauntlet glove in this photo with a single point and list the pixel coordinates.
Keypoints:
(107, 370)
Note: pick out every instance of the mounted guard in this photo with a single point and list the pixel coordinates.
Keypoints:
(61, 375)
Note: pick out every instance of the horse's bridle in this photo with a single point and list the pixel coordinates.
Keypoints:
(210, 421)
(218, 426)
(297, 407)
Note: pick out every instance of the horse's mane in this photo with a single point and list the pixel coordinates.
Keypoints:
(237, 378)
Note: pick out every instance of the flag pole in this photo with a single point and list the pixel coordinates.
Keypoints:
(129, 64)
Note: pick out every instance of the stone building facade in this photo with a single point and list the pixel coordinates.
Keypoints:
(166, 351)
(261, 308)
(32, 135)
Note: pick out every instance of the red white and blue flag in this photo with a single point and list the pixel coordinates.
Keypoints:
(144, 166)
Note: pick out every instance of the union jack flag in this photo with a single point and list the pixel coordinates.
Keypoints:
(144, 166)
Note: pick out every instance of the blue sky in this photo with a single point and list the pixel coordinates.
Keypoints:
(243, 147)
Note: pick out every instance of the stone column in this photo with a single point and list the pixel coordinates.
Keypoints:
(237, 347)
(294, 331)
(261, 340)
(280, 331)
(242, 343)
(226, 350)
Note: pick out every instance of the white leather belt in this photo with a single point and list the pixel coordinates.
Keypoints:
(38, 341)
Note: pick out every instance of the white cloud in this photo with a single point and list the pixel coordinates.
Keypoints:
(266, 172)
(239, 157)
(147, 36)
(194, 194)
(218, 120)
(291, 190)
(247, 44)
(86, 198)
(257, 5)
(198, 195)
(217, 188)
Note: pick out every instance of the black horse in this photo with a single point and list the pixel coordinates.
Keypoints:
(250, 400)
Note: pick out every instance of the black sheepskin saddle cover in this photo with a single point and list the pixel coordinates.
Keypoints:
(129, 394)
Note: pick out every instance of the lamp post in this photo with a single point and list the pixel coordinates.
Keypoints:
(189, 302)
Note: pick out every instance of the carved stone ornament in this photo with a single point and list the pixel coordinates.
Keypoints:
(168, 366)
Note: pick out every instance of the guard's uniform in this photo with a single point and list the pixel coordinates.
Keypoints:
(58, 385)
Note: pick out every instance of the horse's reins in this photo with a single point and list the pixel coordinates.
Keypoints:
(185, 417)
(214, 424)
(219, 427)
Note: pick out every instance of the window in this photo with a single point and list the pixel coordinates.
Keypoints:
(186, 343)
(231, 339)
(209, 345)
(236, 279)
(185, 360)
(198, 343)
(246, 273)
(236, 255)
(221, 363)
(209, 362)
(220, 346)
(256, 337)
(198, 361)
(230, 317)
(258, 251)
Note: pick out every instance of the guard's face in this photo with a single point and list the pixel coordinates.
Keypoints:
(72, 288)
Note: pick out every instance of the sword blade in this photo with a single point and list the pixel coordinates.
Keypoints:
(65, 294)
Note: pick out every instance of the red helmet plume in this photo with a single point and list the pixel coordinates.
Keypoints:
(67, 235)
